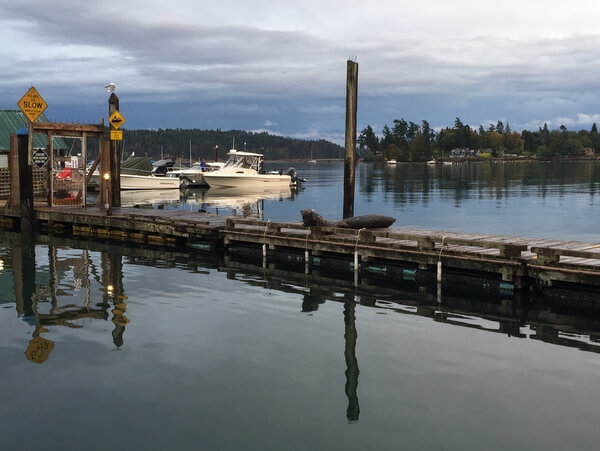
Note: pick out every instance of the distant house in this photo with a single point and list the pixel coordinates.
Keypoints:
(589, 152)
(462, 153)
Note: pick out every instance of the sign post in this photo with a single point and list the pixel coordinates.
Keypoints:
(32, 105)
(116, 120)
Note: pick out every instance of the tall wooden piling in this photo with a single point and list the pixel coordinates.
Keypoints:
(25, 181)
(350, 154)
(115, 156)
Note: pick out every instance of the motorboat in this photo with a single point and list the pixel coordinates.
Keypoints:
(391, 162)
(244, 170)
(139, 173)
(130, 181)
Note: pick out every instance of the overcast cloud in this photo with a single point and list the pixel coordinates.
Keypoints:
(267, 65)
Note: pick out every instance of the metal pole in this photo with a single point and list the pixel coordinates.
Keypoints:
(350, 154)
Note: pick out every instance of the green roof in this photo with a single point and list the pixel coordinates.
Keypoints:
(11, 121)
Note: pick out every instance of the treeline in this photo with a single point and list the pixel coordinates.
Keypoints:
(176, 143)
(408, 141)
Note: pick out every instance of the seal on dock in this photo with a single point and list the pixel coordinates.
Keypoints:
(312, 218)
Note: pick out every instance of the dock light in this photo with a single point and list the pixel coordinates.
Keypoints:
(110, 289)
(106, 176)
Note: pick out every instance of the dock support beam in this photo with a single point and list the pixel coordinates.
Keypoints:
(350, 155)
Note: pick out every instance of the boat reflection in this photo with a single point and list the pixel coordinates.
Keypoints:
(238, 202)
(130, 198)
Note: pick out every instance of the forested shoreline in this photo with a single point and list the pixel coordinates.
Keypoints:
(208, 144)
(403, 141)
(408, 141)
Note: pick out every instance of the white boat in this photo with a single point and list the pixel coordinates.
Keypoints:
(129, 181)
(391, 162)
(432, 162)
(243, 170)
(153, 180)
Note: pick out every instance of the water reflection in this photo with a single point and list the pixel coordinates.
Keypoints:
(58, 289)
(416, 183)
(62, 283)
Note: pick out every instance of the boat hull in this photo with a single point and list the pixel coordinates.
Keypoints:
(148, 182)
(220, 180)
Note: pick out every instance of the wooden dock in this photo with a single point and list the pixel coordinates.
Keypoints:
(506, 264)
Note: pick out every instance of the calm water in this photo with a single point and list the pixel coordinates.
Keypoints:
(544, 200)
(110, 347)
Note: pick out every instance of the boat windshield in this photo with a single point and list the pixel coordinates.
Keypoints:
(237, 161)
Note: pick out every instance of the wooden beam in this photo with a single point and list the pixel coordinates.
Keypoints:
(59, 128)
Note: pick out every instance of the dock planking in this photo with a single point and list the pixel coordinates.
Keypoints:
(520, 263)
(523, 262)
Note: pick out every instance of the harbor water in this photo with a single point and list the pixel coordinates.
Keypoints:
(111, 346)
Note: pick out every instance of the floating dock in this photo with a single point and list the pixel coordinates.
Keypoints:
(499, 263)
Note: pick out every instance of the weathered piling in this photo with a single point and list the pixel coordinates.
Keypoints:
(25, 183)
(350, 154)
(115, 156)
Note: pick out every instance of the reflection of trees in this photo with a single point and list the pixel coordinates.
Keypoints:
(415, 183)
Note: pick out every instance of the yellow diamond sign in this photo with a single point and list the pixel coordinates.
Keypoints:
(32, 104)
(116, 120)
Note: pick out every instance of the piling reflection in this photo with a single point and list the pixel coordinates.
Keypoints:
(352, 371)
(59, 290)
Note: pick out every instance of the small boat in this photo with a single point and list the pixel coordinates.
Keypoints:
(129, 181)
(139, 173)
(391, 162)
(244, 170)
(432, 161)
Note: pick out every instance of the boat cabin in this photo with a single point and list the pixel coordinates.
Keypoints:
(245, 160)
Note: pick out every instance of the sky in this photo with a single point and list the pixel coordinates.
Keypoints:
(280, 67)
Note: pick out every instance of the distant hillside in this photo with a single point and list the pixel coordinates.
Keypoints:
(175, 143)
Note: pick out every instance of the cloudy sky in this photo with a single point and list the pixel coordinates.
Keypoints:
(281, 67)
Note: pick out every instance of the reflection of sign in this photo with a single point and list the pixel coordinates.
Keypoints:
(32, 104)
(116, 120)
(40, 158)
(74, 162)
(116, 135)
(39, 349)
